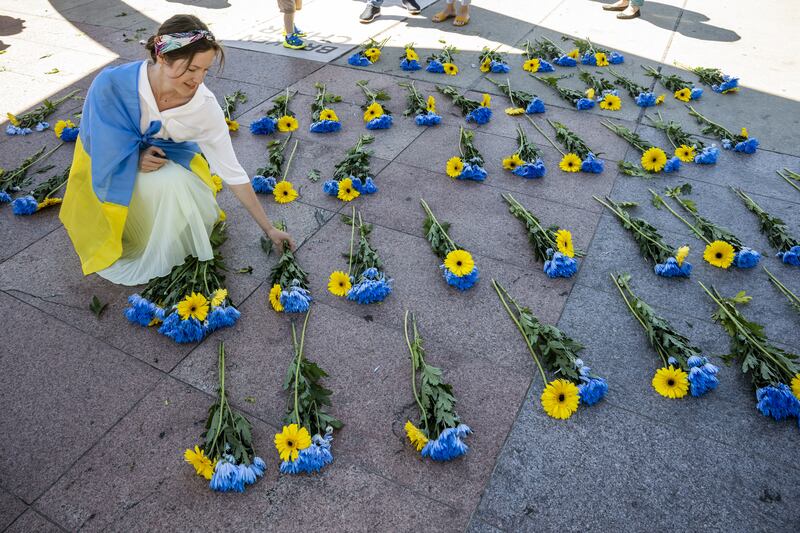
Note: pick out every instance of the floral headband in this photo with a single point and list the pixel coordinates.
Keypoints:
(172, 41)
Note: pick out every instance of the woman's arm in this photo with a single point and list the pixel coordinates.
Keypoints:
(244, 192)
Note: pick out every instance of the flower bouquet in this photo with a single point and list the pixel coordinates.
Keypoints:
(369, 52)
(521, 101)
(323, 118)
(231, 101)
(594, 55)
(265, 181)
(578, 156)
(470, 165)
(473, 111)
(653, 160)
(669, 262)
(741, 142)
(66, 131)
(279, 117)
(227, 459)
(714, 78)
(409, 60)
(443, 63)
(376, 116)
(289, 292)
(424, 111)
(304, 443)
(439, 432)
(601, 90)
(723, 248)
(576, 98)
(681, 89)
(776, 231)
(365, 280)
(688, 148)
(43, 195)
(527, 161)
(12, 181)
(493, 61)
(543, 50)
(551, 349)
(685, 368)
(458, 268)
(27, 122)
(641, 94)
(351, 175)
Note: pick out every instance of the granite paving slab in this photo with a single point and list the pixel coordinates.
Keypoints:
(32, 521)
(11, 507)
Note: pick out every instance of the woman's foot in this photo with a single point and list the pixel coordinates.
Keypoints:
(630, 12)
(616, 6)
(462, 19)
(448, 12)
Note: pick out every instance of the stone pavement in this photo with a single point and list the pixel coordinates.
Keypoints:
(98, 412)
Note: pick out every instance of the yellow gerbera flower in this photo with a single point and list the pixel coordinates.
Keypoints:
(486, 65)
(570, 163)
(291, 440)
(287, 123)
(275, 298)
(454, 167)
(193, 306)
(232, 124)
(602, 60)
(373, 54)
(13, 119)
(486, 101)
(459, 262)
(58, 129)
(328, 114)
(671, 382)
(284, 192)
(560, 399)
(681, 254)
(744, 133)
(660, 99)
(411, 55)
(654, 159)
(431, 107)
(684, 95)
(531, 65)
(202, 464)
(218, 298)
(574, 53)
(450, 69)
(796, 386)
(415, 436)
(339, 283)
(685, 153)
(611, 102)
(719, 254)
(217, 181)
(514, 111)
(373, 111)
(513, 161)
(48, 202)
(347, 192)
(564, 242)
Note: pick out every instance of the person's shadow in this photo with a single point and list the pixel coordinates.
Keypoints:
(208, 4)
(10, 26)
(690, 23)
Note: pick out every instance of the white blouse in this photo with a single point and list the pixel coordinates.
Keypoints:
(199, 120)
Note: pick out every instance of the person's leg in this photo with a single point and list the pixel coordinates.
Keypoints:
(448, 11)
(371, 11)
(462, 17)
(620, 5)
(632, 11)
(291, 39)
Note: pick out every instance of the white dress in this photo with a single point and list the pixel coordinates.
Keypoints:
(172, 212)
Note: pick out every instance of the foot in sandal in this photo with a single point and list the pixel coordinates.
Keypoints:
(462, 19)
(448, 12)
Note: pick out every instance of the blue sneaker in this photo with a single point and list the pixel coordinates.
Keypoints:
(294, 42)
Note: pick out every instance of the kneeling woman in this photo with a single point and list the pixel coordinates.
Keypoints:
(140, 197)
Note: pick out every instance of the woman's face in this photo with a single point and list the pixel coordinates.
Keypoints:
(183, 80)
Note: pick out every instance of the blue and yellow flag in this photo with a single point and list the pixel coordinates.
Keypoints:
(105, 165)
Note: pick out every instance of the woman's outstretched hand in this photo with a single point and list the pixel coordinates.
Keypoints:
(152, 159)
(278, 237)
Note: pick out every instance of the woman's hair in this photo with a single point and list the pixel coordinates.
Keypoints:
(179, 24)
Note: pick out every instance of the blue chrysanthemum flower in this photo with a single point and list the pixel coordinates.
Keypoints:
(383, 122)
(592, 164)
(245, 475)
(615, 58)
(702, 375)
(258, 466)
(791, 256)
(225, 476)
(479, 115)
(25, 205)
(708, 156)
(331, 187)
(615, 92)
(311, 459)
(264, 126)
(264, 185)
(473, 172)
(727, 144)
(295, 299)
(728, 83)
(746, 258)
(370, 289)
(777, 402)
(325, 126)
(461, 283)
(222, 317)
(182, 331)
(428, 119)
(535, 169)
(435, 66)
(369, 186)
(41, 126)
(449, 444)
(14, 130)
(498, 67)
(592, 391)
(411, 65)
(535, 106)
(647, 99)
(560, 265)
(357, 184)
(589, 59)
(673, 165)
(748, 147)
(696, 93)
(5, 198)
(544, 66)
(358, 60)
(69, 135)
(671, 269)
(565, 61)
(140, 310)
(583, 104)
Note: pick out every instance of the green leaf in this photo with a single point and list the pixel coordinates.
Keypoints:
(314, 175)
(96, 307)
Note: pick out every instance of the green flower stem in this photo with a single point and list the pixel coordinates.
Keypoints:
(613, 127)
(790, 178)
(221, 366)
(792, 297)
(511, 200)
(697, 115)
(299, 356)
(291, 156)
(414, 365)
(679, 217)
(430, 214)
(352, 237)
(461, 141)
(635, 314)
(657, 243)
(498, 288)
(552, 143)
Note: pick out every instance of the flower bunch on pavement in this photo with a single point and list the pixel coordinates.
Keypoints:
(551, 245)
(681, 89)
(191, 301)
(669, 262)
(521, 101)
(723, 248)
(774, 372)
(600, 89)
(458, 267)
(304, 443)
(642, 95)
(12, 181)
(538, 54)
(365, 281)
(351, 175)
(423, 111)
(278, 117)
(323, 117)
(443, 62)
(653, 160)
(376, 116)
(35, 119)
(594, 55)
(289, 291)
(685, 369)
(409, 59)
(226, 457)
(266, 179)
(231, 101)
(468, 165)
(526, 161)
(369, 52)
(738, 142)
(66, 131)
(552, 350)
(41, 196)
(493, 61)
(473, 111)
(713, 77)
(439, 433)
(776, 231)
(578, 156)
(688, 147)
(576, 98)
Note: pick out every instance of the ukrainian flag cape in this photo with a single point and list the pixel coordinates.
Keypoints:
(105, 164)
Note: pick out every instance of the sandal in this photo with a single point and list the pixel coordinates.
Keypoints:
(461, 20)
(442, 16)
